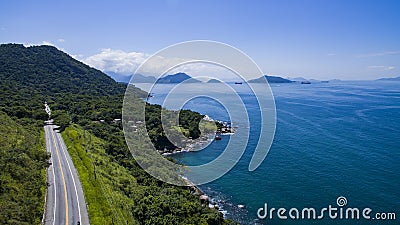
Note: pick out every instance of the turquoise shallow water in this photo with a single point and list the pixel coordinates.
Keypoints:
(332, 139)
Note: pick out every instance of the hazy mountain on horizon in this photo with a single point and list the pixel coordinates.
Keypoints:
(297, 79)
(119, 77)
(137, 78)
(389, 79)
(213, 81)
(177, 78)
(270, 79)
(302, 79)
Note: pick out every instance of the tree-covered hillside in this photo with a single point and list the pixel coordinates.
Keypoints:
(47, 70)
(86, 103)
(23, 161)
(31, 75)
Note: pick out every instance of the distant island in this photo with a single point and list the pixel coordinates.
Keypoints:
(302, 80)
(180, 77)
(389, 79)
(177, 78)
(213, 81)
(297, 79)
(270, 79)
(139, 78)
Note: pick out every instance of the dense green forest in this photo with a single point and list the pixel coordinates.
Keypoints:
(23, 161)
(84, 102)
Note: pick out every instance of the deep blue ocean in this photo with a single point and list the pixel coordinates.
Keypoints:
(332, 139)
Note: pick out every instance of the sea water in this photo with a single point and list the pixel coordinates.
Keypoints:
(332, 139)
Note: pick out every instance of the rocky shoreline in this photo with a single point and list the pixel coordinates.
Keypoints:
(206, 201)
(193, 145)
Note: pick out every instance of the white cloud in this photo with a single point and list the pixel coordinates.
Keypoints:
(377, 54)
(126, 63)
(385, 68)
(60, 40)
(42, 43)
(117, 61)
(201, 69)
(47, 43)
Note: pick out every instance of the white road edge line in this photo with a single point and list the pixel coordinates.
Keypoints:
(54, 176)
(58, 135)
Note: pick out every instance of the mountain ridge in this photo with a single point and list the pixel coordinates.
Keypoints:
(135, 78)
(51, 71)
(389, 79)
(270, 79)
(177, 78)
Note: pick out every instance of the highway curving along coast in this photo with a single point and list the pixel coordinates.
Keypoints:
(65, 203)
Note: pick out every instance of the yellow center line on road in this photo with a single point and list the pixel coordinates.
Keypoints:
(62, 176)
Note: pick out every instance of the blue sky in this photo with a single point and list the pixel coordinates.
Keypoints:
(314, 39)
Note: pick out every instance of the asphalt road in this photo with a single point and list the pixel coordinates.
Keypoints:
(65, 202)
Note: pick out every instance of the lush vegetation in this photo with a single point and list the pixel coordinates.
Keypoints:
(85, 102)
(127, 194)
(22, 173)
(46, 70)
